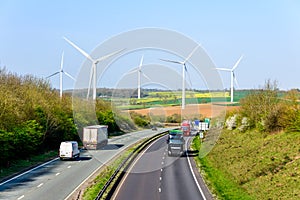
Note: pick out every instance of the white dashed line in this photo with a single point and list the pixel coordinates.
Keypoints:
(160, 178)
(40, 185)
(57, 174)
(159, 190)
(21, 197)
(69, 166)
(162, 163)
(161, 169)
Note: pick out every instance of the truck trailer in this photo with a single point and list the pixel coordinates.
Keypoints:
(95, 137)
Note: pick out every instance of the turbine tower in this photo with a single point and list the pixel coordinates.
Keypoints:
(140, 72)
(232, 77)
(93, 73)
(61, 72)
(184, 69)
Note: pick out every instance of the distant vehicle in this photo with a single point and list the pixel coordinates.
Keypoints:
(95, 137)
(186, 127)
(154, 128)
(175, 143)
(69, 150)
(201, 126)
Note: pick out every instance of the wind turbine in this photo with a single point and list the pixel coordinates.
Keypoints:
(139, 70)
(232, 76)
(183, 63)
(93, 73)
(61, 72)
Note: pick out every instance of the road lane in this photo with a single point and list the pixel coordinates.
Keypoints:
(155, 175)
(58, 179)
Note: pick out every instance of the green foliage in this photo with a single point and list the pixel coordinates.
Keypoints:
(140, 120)
(175, 118)
(264, 166)
(33, 118)
(268, 110)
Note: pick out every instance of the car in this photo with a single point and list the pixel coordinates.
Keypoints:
(68, 150)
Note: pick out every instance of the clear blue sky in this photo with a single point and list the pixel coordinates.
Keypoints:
(266, 32)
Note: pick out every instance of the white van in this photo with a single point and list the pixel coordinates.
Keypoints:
(69, 150)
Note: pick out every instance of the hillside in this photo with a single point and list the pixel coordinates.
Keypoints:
(265, 166)
(257, 155)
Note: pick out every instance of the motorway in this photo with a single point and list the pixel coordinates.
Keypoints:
(155, 175)
(58, 179)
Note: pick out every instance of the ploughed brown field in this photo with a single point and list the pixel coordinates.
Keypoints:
(195, 110)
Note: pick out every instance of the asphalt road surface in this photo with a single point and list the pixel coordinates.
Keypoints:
(57, 179)
(155, 175)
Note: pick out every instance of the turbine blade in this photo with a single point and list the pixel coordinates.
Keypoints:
(172, 61)
(109, 55)
(190, 55)
(133, 71)
(235, 80)
(53, 74)
(141, 62)
(185, 67)
(236, 64)
(90, 82)
(146, 76)
(79, 49)
(223, 69)
(69, 75)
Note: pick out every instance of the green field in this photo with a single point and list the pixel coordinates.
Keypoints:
(253, 165)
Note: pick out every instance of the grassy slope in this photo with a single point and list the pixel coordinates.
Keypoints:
(253, 165)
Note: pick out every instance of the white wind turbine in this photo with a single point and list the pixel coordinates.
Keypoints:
(139, 70)
(93, 73)
(232, 76)
(183, 63)
(61, 72)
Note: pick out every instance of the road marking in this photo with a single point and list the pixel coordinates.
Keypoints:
(69, 166)
(57, 174)
(161, 169)
(113, 157)
(160, 178)
(194, 176)
(162, 163)
(163, 157)
(28, 171)
(40, 185)
(159, 190)
(21, 197)
(128, 171)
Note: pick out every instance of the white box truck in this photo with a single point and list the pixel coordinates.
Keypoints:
(95, 137)
(69, 150)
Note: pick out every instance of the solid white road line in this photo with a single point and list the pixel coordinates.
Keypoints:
(128, 171)
(21, 197)
(28, 171)
(194, 176)
(40, 185)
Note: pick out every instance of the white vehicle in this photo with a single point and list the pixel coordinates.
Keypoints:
(95, 137)
(69, 150)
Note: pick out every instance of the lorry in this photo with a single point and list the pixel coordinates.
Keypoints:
(186, 127)
(175, 143)
(95, 137)
(201, 125)
(68, 150)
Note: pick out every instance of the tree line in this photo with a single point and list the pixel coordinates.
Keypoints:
(267, 110)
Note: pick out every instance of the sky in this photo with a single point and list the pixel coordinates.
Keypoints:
(266, 33)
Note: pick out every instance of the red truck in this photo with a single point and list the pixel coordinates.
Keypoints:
(186, 127)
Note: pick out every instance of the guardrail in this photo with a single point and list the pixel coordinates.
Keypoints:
(120, 171)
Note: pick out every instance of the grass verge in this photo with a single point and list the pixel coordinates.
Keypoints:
(253, 165)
